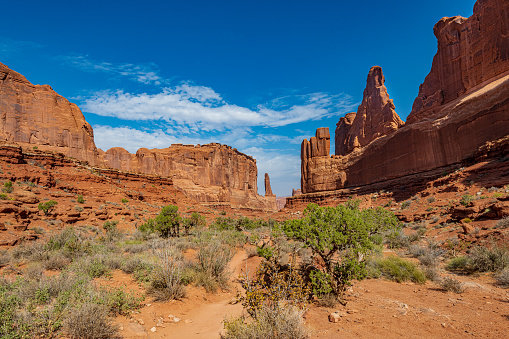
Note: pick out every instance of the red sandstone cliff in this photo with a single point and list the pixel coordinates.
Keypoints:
(375, 117)
(462, 105)
(34, 114)
(470, 52)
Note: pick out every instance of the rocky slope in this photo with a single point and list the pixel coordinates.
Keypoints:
(36, 116)
(440, 133)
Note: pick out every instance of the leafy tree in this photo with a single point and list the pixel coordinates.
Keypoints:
(341, 236)
(47, 206)
(167, 223)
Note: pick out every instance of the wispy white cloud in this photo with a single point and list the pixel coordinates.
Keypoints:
(147, 73)
(202, 108)
(9, 47)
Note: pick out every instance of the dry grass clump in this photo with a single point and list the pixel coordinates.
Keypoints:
(212, 267)
(503, 277)
(167, 278)
(396, 269)
(503, 223)
(488, 259)
(90, 321)
(452, 285)
(282, 322)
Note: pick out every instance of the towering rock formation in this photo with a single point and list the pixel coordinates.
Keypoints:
(375, 117)
(462, 106)
(34, 114)
(471, 52)
(268, 189)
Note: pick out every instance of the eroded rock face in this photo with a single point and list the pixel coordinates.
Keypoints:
(375, 117)
(211, 173)
(467, 115)
(37, 115)
(470, 51)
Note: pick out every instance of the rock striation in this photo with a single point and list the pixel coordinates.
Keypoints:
(462, 106)
(36, 116)
(375, 117)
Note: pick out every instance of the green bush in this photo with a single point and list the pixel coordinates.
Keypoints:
(194, 221)
(344, 231)
(80, 199)
(466, 200)
(451, 285)
(167, 223)
(399, 270)
(3, 196)
(7, 187)
(457, 264)
(124, 200)
(47, 207)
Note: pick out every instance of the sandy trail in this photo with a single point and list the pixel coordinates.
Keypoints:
(201, 314)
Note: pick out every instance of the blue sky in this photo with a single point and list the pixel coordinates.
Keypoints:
(257, 75)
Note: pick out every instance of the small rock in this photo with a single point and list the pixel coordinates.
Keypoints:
(141, 322)
(188, 321)
(121, 328)
(148, 305)
(352, 311)
(153, 329)
(335, 317)
(176, 320)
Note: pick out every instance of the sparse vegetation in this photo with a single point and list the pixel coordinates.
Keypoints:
(451, 285)
(8, 187)
(80, 199)
(397, 269)
(344, 232)
(466, 200)
(47, 207)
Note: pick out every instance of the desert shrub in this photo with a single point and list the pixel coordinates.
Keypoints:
(94, 267)
(284, 322)
(431, 199)
(344, 231)
(194, 221)
(457, 263)
(166, 280)
(451, 285)
(488, 258)
(7, 187)
(466, 200)
(399, 270)
(212, 267)
(398, 239)
(135, 248)
(124, 200)
(431, 273)
(503, 223)
(503, 277)
(47, 207)
(90, 321)
(80, 199)
(273, 286)
(139, 267)
(71, 243)
(5, 258)
(3, 196)
(79, 208)
(405, 204)
(56, 261)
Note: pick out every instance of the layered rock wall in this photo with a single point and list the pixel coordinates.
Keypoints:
(37, 115)
(462, 105)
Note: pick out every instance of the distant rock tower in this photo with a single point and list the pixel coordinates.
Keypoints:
(268, 189)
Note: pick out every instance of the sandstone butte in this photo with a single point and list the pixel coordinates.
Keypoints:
(36, 116)
(462, 107)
